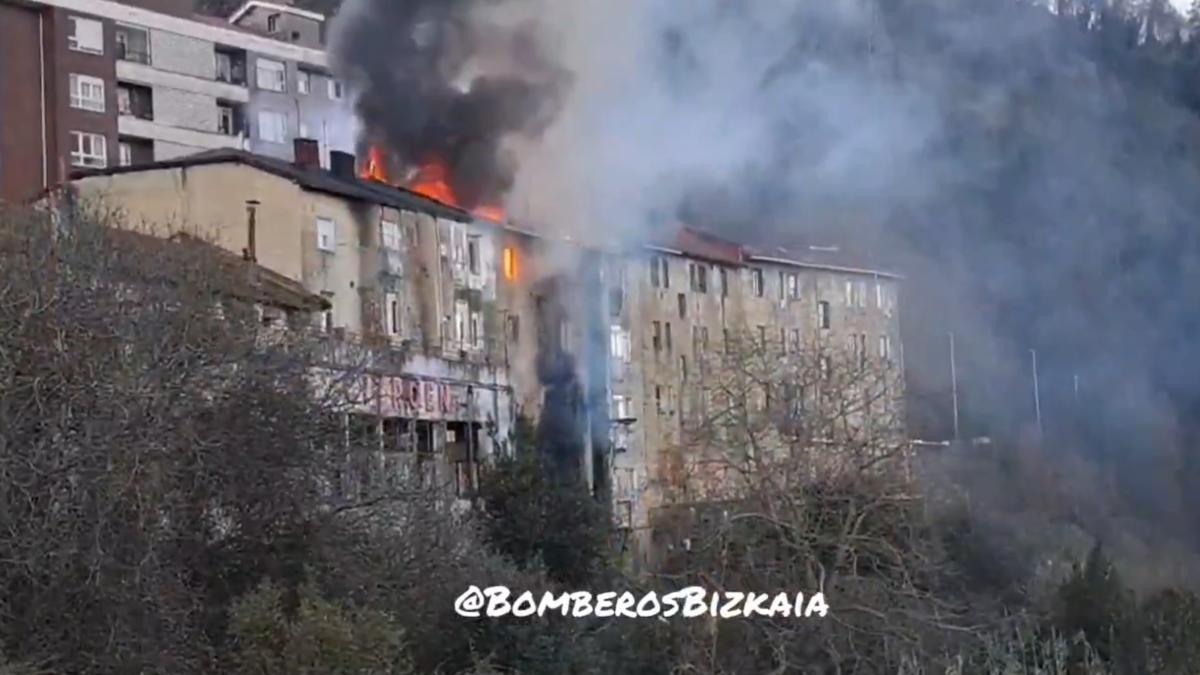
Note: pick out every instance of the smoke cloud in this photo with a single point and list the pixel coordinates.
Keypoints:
(446, 82)
(1037, 193)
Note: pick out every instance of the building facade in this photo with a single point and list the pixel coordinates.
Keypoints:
(97, 83)
(475, 324)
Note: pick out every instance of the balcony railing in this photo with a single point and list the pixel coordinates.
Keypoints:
(127, 53)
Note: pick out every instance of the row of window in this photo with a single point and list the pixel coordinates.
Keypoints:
(789, 284)
(133, 44)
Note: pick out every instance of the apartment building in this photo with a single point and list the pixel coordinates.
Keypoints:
(97, 83)
(412, 287)
(475, 323)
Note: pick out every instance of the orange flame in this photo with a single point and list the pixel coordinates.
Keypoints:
(431, 180)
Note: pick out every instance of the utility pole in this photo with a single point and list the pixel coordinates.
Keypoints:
(1037, 400)
(954, 385)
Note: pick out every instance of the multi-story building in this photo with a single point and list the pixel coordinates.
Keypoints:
(97, 83)
(478, 323)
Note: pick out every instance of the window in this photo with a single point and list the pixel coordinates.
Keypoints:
(620, 346)
(858, 347)
(682, 306)
(660, 272)
(88, 150)
(335, 90)
(390, 235)
(783, 341)
(757, 281)
(229, 119)
(795, 340)
(878, 295)
(476, 329)
(231, 66)
(656, 340)
(658, 396)
(885, 348)
(622, 408)
(326, 235)
(793, 286)
(514, 328)
(667, 336)
(823, 314)
(782, 286)
(724, 284)
(272, 126)
(124, 153)
(473, 254)
(272, 75)
(826, 367)
(273, 23)
(392, 307)
(85, 35)
(87, 93)
(856, 294)
(683, 366)
(133, 43)
(303, 82)
(698, 273)
(510, 263)
(136, 101)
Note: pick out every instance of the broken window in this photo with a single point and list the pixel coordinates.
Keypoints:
(230, 65)
(823, 314)
(654, 280)
(757, 280)
(473, 254)
(390, 235)
(682, 306)
(657, 338)
(666, 272)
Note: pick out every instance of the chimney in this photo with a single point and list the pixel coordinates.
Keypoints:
(343, 164)
(308, 154)
(251, 252)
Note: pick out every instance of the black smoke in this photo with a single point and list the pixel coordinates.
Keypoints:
(437, 82)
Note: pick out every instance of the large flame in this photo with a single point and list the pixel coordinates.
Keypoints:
(430, 180)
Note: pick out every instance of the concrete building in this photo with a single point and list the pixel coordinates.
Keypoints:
(475, 324)
(98, 83)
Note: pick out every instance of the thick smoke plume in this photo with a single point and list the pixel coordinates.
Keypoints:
(444, 83)
(1038, 192)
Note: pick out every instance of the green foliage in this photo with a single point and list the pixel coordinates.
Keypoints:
(319, 638)
(535, 520)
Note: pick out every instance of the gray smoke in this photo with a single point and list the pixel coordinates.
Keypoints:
(1034, 185)
(446, 81)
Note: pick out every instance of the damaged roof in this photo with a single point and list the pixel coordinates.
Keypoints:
(316, 180)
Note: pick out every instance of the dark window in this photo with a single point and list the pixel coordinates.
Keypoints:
(682, 306)
(136, 101)
(133, 44)
(657, 339)
(231, 65)
(823, 314)
(759, 286)
(654, 280)
(668, 337)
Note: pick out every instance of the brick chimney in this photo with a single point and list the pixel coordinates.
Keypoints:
(343, 164)
(308, 154)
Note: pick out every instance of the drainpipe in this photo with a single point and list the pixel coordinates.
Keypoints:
(42, 97)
